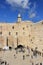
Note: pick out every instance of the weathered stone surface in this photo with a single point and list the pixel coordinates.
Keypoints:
(28, 34)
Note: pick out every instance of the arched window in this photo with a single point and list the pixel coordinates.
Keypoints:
(16, 33)
(0, 32)
(42, 22)
(12, 27)
(31, 39)
(9, 33)
(29, 35)
(23, 28)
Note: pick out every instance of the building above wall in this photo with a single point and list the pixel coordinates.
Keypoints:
(28, 33)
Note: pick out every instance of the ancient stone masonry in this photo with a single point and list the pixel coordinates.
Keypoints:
(24, 33)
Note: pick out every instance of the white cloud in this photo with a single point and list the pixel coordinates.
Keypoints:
(32, 12)
(32, 15)
(22, 3)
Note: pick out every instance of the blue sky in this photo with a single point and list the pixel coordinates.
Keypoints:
(29, 10)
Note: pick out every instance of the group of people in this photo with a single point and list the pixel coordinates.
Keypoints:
(3, 62)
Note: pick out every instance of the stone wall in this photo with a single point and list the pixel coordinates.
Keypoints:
(24, 33)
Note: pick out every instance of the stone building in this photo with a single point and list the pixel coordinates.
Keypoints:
(25, 33)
